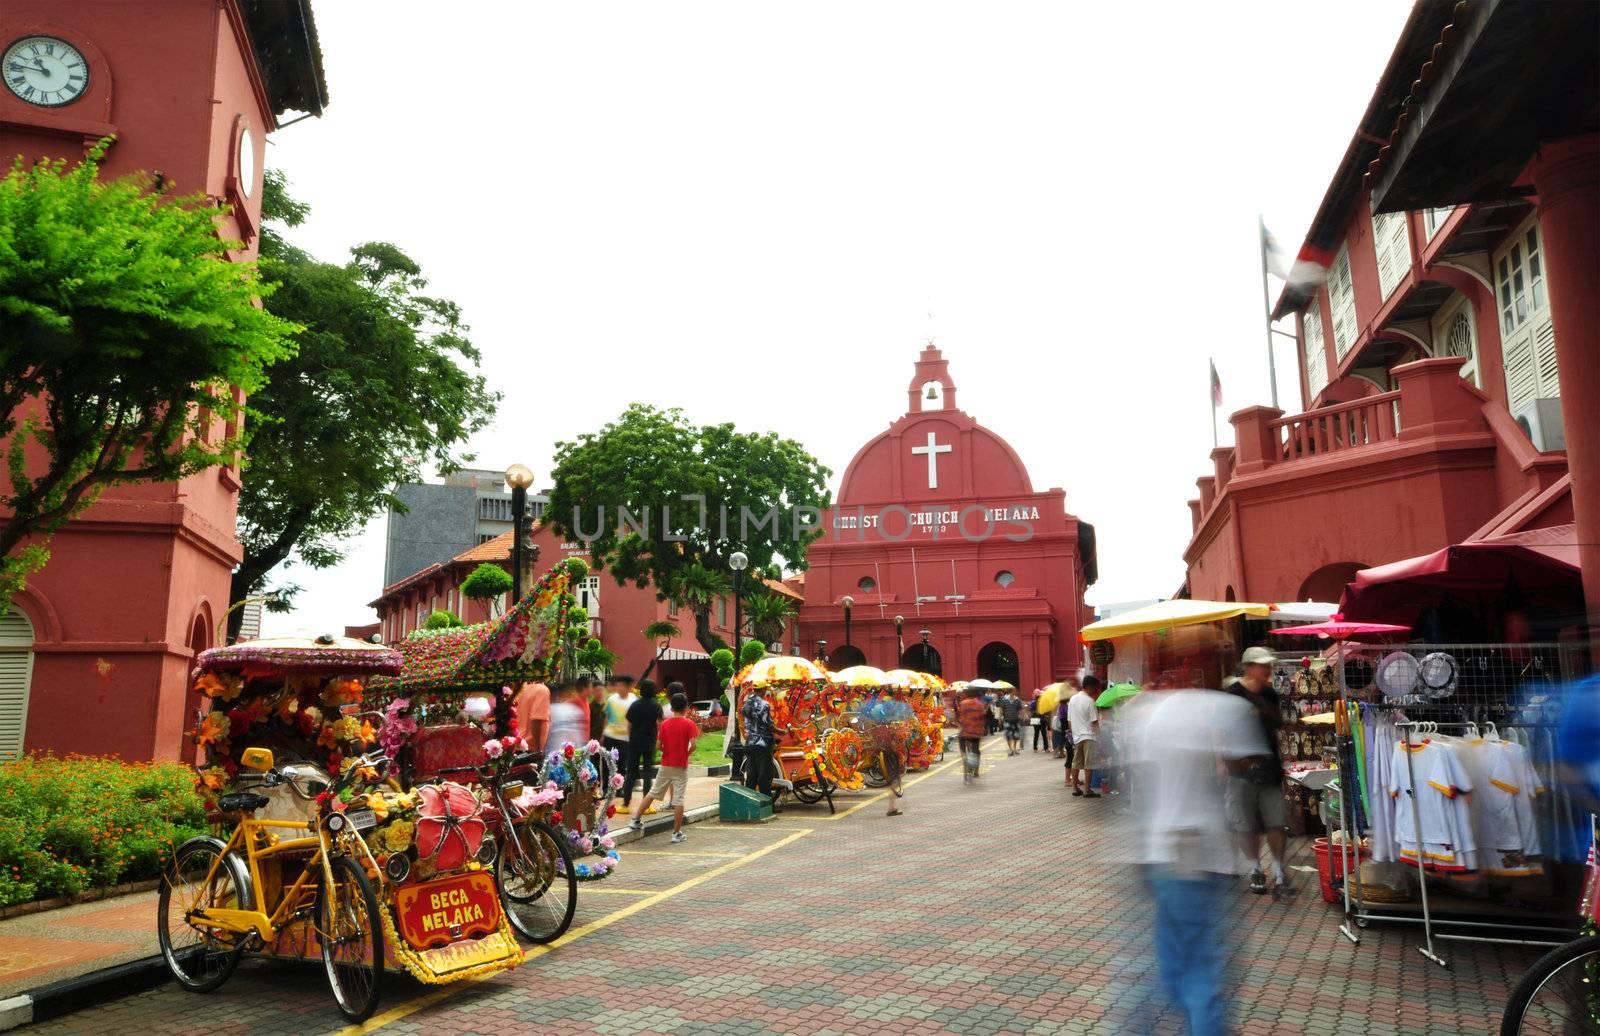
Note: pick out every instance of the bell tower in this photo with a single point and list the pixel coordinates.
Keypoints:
(931, 388)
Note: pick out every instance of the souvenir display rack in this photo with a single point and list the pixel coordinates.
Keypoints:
(1474, 692)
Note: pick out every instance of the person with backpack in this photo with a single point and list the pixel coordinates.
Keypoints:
(1011, 721)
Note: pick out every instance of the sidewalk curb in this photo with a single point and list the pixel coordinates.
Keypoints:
(661, 823)
(84, 991)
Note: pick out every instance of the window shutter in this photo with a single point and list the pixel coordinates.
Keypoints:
(1393, 247)
(1342, 304)
(1316, 350)
(16, 675)
(1528, 339)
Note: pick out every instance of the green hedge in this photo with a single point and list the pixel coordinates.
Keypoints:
(81, 822)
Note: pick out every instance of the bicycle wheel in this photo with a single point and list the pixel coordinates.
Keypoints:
(808, 792)
(873, 777)
(538, 882)
(202, 875)
(1559, 994)
(351, 934)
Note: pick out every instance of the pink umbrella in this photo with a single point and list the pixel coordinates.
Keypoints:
(1336, 628)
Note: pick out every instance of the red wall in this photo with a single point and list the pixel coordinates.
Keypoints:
(137, 583)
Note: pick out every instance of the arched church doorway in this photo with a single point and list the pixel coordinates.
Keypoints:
(844, 656)
(997, 660)
(924, 658)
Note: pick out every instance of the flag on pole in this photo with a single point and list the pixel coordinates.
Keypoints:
(1308, 270)
(1216, 386)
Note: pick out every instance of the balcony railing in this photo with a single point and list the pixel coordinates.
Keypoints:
(1343, 426)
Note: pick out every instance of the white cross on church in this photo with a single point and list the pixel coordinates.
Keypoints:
(932, 451)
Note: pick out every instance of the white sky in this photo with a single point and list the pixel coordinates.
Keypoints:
(749, 210)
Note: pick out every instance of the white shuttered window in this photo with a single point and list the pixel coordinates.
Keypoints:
(1316, 350)
(16, 675)
(1342, 304)
(1393, 244)
(1527, 336)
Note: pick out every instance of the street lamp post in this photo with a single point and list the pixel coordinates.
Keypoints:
(737, 561)
(926, 650)
(519, 477)
(848, 602)
(822, 651)
(899, 638)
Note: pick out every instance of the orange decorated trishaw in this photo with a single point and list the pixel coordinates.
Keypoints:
(300, 861)
(816, 753)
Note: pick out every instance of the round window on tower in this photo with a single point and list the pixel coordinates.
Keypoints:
(1004, 578)
(866, 583)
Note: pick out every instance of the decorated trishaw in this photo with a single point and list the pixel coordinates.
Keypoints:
(816, 754)
(899, 711)
(547, 814)
(301, 860)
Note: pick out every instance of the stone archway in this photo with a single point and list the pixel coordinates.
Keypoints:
(844, 656)
(924, 658)
(997, 660)
(1327, 583)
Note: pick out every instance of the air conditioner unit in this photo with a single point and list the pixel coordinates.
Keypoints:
(1541, 421)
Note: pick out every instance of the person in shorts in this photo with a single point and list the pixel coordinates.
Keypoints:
(676, 737)
(972, 718)
(1011, 722)
(1255, 792)
(1083, 723)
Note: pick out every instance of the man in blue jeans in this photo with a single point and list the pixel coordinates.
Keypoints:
(1185, 739)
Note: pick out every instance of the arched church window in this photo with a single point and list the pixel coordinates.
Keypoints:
(866, 583)
(1004, 578)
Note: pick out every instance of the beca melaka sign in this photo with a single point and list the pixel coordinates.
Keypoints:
(447, 910)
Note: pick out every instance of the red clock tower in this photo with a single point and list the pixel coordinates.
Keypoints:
(95, 654)
(937, 522)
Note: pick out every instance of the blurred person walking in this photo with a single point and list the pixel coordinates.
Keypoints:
(569, 719)
(1187, 742)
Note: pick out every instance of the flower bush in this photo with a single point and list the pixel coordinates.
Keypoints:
(710, 723)
(81, 822)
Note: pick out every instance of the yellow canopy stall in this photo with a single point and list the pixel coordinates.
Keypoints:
(1166, 614)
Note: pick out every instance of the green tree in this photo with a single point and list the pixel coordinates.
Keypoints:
(722, 664)
(127, 339)
(487, 583)
(442, 620)
(769, 614)
(385, 386)
(595, 658)
(647, 462)
(659, 633)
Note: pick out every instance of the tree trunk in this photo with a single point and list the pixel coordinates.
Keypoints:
(252, 571)
(702, 631)
(651, 667)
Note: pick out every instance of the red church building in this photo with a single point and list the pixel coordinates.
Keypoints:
(940, 555)
(1452, 358)
(95, 654)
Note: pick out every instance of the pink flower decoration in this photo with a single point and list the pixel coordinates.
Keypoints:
(493, 748)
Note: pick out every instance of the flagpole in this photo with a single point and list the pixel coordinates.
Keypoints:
(1211, 394)
(1266, 309)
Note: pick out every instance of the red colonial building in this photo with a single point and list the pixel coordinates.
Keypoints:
(937, 522)
(1452, 358)
(618, 615)
(95, 654)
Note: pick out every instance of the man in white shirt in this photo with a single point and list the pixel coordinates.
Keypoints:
(1185, 741)
(1084, 719)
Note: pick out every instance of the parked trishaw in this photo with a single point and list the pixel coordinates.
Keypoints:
(300, 862)
(546, 813)
(816, 753)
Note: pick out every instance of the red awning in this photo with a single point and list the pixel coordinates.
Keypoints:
(1536, 564)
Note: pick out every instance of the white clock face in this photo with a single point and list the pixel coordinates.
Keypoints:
(247, 162)
(45, 71)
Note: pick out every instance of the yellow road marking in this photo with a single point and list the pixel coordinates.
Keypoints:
(906, 784)
(406, 1010)
(619, 892)
(669, 852)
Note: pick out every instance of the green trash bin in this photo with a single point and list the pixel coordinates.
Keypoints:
(741, 805)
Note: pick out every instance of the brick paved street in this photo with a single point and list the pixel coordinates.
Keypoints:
(1004, 907)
